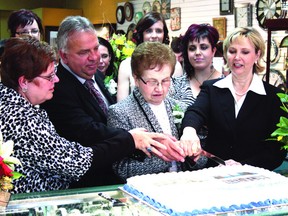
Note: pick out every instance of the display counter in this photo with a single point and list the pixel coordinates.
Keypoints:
(94, 201)
(106, 200)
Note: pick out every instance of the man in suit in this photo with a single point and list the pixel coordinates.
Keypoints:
(78, 110)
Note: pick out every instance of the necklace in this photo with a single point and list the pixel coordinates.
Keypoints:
(238, 94)
(213, 71)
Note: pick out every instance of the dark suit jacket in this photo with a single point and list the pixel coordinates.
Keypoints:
(244, 138)
(78, 117)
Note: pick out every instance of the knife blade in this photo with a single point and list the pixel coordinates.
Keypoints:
(213, 157)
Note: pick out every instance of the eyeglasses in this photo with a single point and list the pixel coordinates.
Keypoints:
(27, 32)
(154, 83)
(50, 77)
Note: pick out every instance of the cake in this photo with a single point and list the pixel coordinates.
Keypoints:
(223, 189)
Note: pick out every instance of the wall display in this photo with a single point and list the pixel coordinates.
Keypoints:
(156, 6)
(243, 15)
(175, 19)
(226, 7)
(120, 14)
(274, 52)
(267, 9)
(138, 16)
(51, 35)
(165, 9)
(277, 79)
(105, 30)
(146, 7)
(128, 11)
(220, 24)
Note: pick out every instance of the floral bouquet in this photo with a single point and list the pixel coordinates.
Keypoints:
(7, 173)
(178, 115)
(281, 133)
(122, 48)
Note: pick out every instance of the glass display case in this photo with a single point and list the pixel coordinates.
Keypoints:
(102, 201)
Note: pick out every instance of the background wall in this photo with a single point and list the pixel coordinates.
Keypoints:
(203, 11)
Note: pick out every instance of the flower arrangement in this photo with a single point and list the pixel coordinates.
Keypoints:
(110, 84)
(281, 133)
(122, 48)
(178, 114)
(7, 173)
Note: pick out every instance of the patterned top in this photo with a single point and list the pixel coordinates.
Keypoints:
(135, 112)
(49, 161)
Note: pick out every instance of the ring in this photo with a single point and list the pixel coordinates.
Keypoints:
(149, 149)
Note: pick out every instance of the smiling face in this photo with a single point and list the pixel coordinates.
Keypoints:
(82, 54)
(200, 53)
(157, 83)
(241, 56)
(154, 33)
(39, 89)
(32, 30)
(105, 58)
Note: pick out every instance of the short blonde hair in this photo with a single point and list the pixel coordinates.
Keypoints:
(254, 36)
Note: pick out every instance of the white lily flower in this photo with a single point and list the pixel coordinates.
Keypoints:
(6, 149)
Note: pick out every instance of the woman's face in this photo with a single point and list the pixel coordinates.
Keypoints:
(200, 54)
(41, 88)
(154, 33)
(105, 58)
(32, 30)
(241, 56)
(157, 84)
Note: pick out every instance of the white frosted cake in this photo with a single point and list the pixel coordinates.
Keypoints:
(211, 191)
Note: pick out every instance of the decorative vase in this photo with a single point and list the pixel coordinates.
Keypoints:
(4, 199)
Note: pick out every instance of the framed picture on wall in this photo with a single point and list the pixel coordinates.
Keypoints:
(175, 19)
(51, 35)
(226, 7)
(165, 8)
(220, 24)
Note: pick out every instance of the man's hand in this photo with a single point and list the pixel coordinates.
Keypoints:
(173, 151)
(145, 141)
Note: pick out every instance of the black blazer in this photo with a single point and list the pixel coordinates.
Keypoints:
(78, 117)
(244, 138)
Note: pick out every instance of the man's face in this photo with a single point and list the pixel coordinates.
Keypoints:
(82, 55)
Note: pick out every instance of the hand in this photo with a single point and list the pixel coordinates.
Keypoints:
(145, 141)
(231, 162)
(173, 151)
(190, 142)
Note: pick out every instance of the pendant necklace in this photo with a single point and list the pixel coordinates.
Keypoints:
(207, 78)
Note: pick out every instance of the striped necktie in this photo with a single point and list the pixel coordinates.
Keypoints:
(90, 85)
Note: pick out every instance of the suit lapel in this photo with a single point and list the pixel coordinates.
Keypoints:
(66, 76)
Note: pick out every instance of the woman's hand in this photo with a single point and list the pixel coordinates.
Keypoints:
(190, 142)
(161, 145)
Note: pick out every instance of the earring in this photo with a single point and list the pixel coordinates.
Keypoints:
(24, 89)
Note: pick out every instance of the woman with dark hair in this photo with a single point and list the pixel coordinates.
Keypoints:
(152, 27)
(199, 47)
(106, 68)
(106, 64)
(25, 22)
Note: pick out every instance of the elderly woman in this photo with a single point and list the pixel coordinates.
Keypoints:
(147, 106)
(151, 27)
(240, 110)
(50, 162)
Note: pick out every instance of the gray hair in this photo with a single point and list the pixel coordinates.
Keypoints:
(70, 25)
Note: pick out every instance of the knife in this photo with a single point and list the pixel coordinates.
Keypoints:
(213, 157)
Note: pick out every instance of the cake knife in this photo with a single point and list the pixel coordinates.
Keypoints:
(213, 157)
